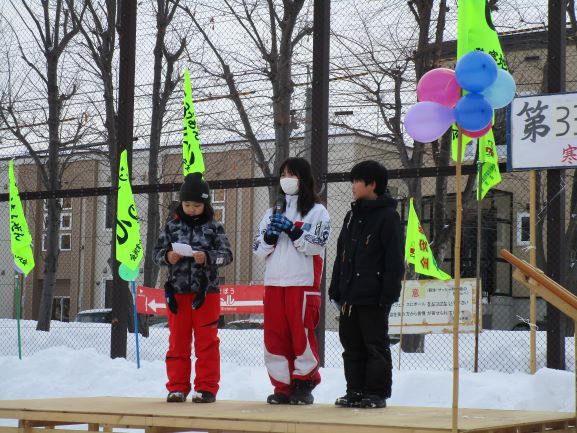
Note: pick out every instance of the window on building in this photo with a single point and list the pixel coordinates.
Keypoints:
(107, 293)
(64, 242)
(108, 217)
(218, 204)
(523, 228)
(65, 237)
(66, 221)
(61, 308)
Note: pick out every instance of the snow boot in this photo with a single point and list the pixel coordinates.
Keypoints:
(350, 399)
(373, 401)
(203, 397)
(303, 392)
(176, 397)
(278, 398)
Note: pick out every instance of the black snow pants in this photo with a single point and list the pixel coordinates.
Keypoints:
(363, 331)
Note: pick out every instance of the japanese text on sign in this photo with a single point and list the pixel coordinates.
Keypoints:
(429, 305)
(543, 132)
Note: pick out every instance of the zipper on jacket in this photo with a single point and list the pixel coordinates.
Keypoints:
(190, 260)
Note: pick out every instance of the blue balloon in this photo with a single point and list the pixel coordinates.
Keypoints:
(476, 71)
(473, 112)
(502, 91)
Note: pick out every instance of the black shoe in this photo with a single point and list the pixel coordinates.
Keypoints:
(176, 397)
(303, 392)
(278, 398)
(203, 397)
(373, 401)
(350, 399)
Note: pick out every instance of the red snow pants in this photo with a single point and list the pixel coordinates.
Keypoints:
(291, 315)
(203, 323)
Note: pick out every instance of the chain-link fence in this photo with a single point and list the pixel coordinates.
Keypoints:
(251, 76)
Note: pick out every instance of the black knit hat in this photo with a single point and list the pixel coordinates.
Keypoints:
(195, 188)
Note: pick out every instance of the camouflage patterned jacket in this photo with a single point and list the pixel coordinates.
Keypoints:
(208, 237)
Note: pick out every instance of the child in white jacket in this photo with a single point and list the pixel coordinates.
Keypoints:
(292, 242)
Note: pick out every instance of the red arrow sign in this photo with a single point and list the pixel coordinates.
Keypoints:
(150, 301)
(234, 299)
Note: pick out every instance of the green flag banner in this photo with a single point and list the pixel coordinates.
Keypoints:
(490, 171)
(128, 246)
(20, 238)
(417, 248)
(192, 160)
(475, 31)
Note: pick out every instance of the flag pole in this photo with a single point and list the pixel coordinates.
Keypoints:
(478, 283)
(533, 261)
(17, 283)
(457, 291)
(133, 286)
(402, 316)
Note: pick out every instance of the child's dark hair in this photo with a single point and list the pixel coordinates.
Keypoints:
(371, 171)
(207, 213)
(301, 168)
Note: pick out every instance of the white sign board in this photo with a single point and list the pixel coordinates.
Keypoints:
(428, 307)
(542, 132)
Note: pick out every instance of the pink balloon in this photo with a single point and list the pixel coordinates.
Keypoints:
(477, 134)
(427, 121)
(439, 85)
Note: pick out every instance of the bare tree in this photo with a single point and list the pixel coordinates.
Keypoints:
(380, 73)
(274, 31)
(51, 30)
(163, 85)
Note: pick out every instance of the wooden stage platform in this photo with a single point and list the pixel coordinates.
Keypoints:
(157, 416)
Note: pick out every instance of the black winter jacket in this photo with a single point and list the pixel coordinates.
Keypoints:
(369, 266)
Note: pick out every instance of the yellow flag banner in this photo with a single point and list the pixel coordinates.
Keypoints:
(490, 174)
(20, 238)
(192, 160)
(475, 31)
(128, 246)
(417, 249)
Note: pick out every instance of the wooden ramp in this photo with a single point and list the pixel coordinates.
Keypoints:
(157, 416)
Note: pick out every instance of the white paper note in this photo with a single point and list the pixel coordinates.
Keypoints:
(182, 249)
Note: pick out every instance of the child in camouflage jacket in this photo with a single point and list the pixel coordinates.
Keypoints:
(192, 292)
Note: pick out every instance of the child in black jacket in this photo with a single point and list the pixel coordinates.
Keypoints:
(366, 281)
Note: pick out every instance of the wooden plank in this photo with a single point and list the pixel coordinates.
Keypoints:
(156, 416)
(542, 280)
(545, 293)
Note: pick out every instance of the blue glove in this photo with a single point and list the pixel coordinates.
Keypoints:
(271, 235)
(283, 224)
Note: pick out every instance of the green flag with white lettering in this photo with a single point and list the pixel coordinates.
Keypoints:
(20, 238)
(192, 160)
(490, 174)
(128, 246)
(417, 249)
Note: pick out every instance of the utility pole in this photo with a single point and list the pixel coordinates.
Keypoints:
(320, 126)
(555, 187)
(126, 27)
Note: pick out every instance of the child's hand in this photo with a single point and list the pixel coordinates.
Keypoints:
(199, 257)
(173, 257)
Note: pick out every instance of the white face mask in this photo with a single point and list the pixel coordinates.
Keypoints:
(290, 185)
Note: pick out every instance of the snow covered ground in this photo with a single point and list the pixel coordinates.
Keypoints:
(58, 368)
